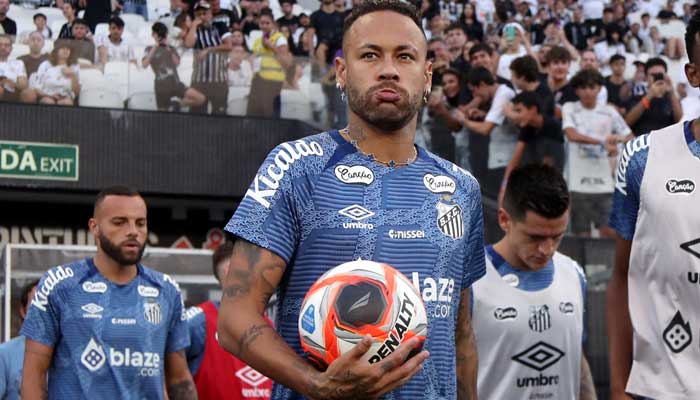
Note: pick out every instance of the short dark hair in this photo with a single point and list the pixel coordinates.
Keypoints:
(287, 1)
(6, 36)
(116, 21)
(116, 190)
(38, 15)
(26, 290)
(72, 5)
(587, 78)
(646, 14)
(370, 6)
(528, 99)
(456, 26)
(480, 47)
(557, 53)
(538, 188)
(160, 29)
(452, 71)
(268, 13)
(617, 57)
(224, 251)
(654, 61)
(691, 32)
(80, 21)
(481, 75)
(526, 68)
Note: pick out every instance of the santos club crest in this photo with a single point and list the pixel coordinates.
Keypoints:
(449, 220)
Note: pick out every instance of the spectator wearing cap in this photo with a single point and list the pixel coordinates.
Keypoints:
(525, 77)
(163, 59)
(272, 52)
(82, 41)
(114, 47)
(659, 106)
(69, 11)
(57, 80)
(41, 27)
(618, 88)
(288, 19)
(7, 24)
(594, 131)
(210, 75)
(13, 77)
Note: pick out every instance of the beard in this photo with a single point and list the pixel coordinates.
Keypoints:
(115, 252)
(387, 119)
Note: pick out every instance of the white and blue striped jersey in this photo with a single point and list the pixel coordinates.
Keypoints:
(109, 340)
(317, 203)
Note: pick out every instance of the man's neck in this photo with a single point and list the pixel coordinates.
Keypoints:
(505, 250)
(35, 55)
(113, 40)
(538, 122)
(328, 8)
(554, 84)
(531, 86)
(384, 146)
(617, 79)
(111, 270)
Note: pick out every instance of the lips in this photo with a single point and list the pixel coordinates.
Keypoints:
(131, 245)
(387, 94)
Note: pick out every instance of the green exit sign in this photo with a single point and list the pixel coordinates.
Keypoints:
(29, 160)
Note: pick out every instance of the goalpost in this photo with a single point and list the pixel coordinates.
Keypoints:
(22, 263)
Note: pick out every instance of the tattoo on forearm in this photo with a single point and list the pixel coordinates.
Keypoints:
(184, 390)
(247, 271)
(250, 335)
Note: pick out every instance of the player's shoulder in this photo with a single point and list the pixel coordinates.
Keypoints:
(463, 179)
(632, 160)
(301, 156)
(157, 281)
(567, 263)
(194, 313)
(61, 279)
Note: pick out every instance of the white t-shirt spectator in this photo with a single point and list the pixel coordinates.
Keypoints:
(12, 69)
(589, 168)
(51, 80)
(242, 76)
(504, 62)
(122, 51)
(503, 135)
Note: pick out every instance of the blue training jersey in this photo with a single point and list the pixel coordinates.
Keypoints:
(197, 326)
(109, 340)
(317, 203)
(11, 363)
(628, 181)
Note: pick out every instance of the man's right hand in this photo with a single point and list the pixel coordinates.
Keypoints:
(352, 377)
(658, 89)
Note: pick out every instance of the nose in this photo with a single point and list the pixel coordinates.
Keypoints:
(388, 71)
(547, 247)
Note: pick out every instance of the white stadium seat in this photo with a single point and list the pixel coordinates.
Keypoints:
(117, 75)
(101, 30)
(295, 105)
(133, 23)
(92, 78)
(143, 101)
(18, 50)
(53, 14)
(237, 100)
(100, 97)
(56, 27)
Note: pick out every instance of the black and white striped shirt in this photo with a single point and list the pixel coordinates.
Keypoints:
(213, 67)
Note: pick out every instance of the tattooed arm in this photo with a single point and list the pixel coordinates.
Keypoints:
(177, 377)
(253, 275)
(587, 385)
(37, 359)
(467, 358)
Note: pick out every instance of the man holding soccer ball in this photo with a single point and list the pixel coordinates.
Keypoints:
(365, 192)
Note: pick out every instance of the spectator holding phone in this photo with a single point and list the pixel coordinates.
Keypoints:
(659, 106)
(163, 60)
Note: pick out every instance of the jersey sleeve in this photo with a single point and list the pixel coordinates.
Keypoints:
(567, 116)
(475, 266)
(266, 216)
(178, 334)
(43, 319)
(628, 182)
(496, 114)
(582, 281)
(197, 327)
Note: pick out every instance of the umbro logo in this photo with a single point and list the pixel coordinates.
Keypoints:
(539, 356)
(356, 212)
(92, 311)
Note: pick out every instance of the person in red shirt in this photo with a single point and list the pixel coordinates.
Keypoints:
(218, 374)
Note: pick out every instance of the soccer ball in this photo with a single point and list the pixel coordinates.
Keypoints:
(359, 298)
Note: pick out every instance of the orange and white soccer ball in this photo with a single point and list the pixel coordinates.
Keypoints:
(359, 298)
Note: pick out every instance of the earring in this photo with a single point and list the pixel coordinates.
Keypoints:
(342, 92)
(425, 96)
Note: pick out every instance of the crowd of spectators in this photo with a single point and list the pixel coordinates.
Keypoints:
(564, 82)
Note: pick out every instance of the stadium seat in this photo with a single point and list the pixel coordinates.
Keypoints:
(100, 97)
(672, 29)
(117, 74)
(144, 37)
(92, 78)
(140, 80)
(25, 23)
(295, 105)
(56, 27)
(143, 101)
(133, 23)
(237, 100)
(101, 30)
(18, 50)
(53, 14)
